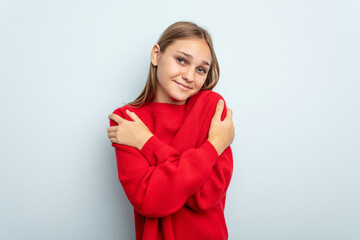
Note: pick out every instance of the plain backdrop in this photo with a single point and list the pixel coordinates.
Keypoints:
(289, 71)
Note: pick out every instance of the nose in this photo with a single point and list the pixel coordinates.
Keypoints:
(189, 75)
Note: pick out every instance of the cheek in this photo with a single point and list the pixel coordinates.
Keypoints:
(167, 71)
(200, 83)
(173, 70)
(161, 74)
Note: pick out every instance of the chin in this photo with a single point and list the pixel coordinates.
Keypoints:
(180, 97)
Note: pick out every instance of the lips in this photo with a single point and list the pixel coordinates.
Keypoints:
(183, 86)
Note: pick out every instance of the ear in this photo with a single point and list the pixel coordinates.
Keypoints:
(155, 54)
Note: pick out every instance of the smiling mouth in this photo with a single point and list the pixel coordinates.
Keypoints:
(183, 86)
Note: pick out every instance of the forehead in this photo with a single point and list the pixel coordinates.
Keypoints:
(196, 47)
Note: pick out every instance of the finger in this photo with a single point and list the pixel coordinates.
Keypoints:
(219, 109)
(111, 134)
(112, 129)
(228, 114)
(132, 115)
(116, 118)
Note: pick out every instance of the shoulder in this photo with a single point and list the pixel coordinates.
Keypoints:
(208, 95)
(121, 111)
(206, 98)
(205, 101)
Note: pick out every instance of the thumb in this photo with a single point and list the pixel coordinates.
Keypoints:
(132, 115)
(116, 118)
(229, 114)
(219, 109)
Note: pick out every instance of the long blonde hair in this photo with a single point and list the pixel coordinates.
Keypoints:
(179, 30)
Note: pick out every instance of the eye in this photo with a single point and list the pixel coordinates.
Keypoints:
(202, 69)
(181, 60)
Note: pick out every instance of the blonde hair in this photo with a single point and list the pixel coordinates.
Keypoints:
(179, 30)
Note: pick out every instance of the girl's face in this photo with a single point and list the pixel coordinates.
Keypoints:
(181, 70)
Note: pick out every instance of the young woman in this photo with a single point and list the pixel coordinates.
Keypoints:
(172, 143)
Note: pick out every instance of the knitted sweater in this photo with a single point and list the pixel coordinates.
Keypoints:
(177, 182)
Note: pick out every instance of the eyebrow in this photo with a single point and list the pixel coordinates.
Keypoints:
(189, 56)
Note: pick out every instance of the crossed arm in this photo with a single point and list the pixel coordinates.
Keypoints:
(158, 180)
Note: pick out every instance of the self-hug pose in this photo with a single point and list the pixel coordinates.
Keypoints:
(172, 142)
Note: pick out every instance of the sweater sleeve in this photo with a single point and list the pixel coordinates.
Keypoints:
(157, 191)
(216, 185)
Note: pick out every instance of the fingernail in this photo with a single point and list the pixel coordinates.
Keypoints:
(220, 102)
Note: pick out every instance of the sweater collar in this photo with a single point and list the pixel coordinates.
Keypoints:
(166, 107)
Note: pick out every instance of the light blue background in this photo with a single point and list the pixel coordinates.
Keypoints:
(289, 71)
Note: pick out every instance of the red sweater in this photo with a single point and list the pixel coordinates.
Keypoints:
(177, 182)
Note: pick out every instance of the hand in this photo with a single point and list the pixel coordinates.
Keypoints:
(132, 133)
(221, 133)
